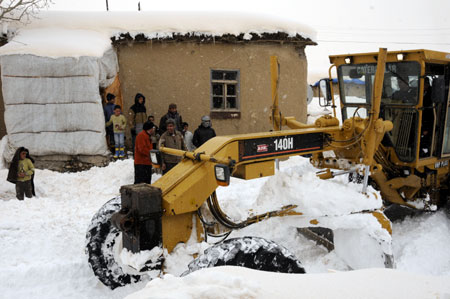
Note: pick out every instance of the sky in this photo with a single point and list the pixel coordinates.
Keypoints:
(345, 26)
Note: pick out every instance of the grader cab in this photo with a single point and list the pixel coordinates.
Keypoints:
(413, 155)
(394, 135)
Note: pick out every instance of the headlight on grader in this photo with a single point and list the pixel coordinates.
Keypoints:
(155, 157)
(222, 173)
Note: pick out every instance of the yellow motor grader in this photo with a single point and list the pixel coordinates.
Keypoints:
(394, 136)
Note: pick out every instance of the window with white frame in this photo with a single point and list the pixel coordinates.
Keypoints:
(224, 90)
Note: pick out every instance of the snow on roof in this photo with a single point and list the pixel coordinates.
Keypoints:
(74, 34)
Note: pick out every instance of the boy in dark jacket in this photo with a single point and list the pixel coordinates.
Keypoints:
(204, 132)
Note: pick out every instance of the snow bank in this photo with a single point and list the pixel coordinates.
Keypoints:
(237, 282)
(420, 255)
(74, 34)
(42, 238)
(42, 244)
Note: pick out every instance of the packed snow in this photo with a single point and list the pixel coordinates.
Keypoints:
(237, 282)
(74, 34)
(43, 238)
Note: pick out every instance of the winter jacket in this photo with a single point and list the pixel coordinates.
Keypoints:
(26, 167)
(13, 173)
(188, 140)
(143, 145)
(175, 116)
(119, 123)
(137, 113)
(14, 166)
(174, 140)
(202, 134)
(108, 110)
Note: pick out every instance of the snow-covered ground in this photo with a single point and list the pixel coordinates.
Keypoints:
(237, 282)
(42, 251)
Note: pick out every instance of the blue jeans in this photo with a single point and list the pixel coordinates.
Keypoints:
(119, 139)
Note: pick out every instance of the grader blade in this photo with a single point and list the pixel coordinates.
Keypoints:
(361, 240)
(321, 235)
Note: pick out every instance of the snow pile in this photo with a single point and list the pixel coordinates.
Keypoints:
(141, 259)
(214, 284)
(43, 237)
(236, 282)
(299, 185)
(421, 254)
(43, 240)
(57, 42)
(74, 34)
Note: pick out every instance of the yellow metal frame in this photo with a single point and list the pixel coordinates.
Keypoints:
(187, 186)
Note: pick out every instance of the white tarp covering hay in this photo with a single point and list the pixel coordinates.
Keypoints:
(53, 106)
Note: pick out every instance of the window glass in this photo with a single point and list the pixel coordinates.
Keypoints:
(446, 143)
(400, 85)
(355, 111)
(404, 134)
(217, 89)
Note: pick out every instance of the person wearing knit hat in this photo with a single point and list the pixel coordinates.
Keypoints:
(142, 162)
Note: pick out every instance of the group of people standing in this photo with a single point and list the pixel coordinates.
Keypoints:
(145, 135)
(172, 133)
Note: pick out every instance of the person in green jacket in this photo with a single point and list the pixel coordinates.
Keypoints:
(119, 123)
(21, 173)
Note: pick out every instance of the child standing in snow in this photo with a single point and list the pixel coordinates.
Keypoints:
(21, 173)
(119, 123)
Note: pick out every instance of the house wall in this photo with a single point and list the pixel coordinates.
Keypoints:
(179, 72)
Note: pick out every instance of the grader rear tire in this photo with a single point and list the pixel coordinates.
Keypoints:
(100, 240)
(250, 252)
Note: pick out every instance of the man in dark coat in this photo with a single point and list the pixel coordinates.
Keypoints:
(171, 114)
(142, 163)
(204, 132)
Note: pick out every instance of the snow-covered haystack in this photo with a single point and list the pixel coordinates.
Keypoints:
(53, 106)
